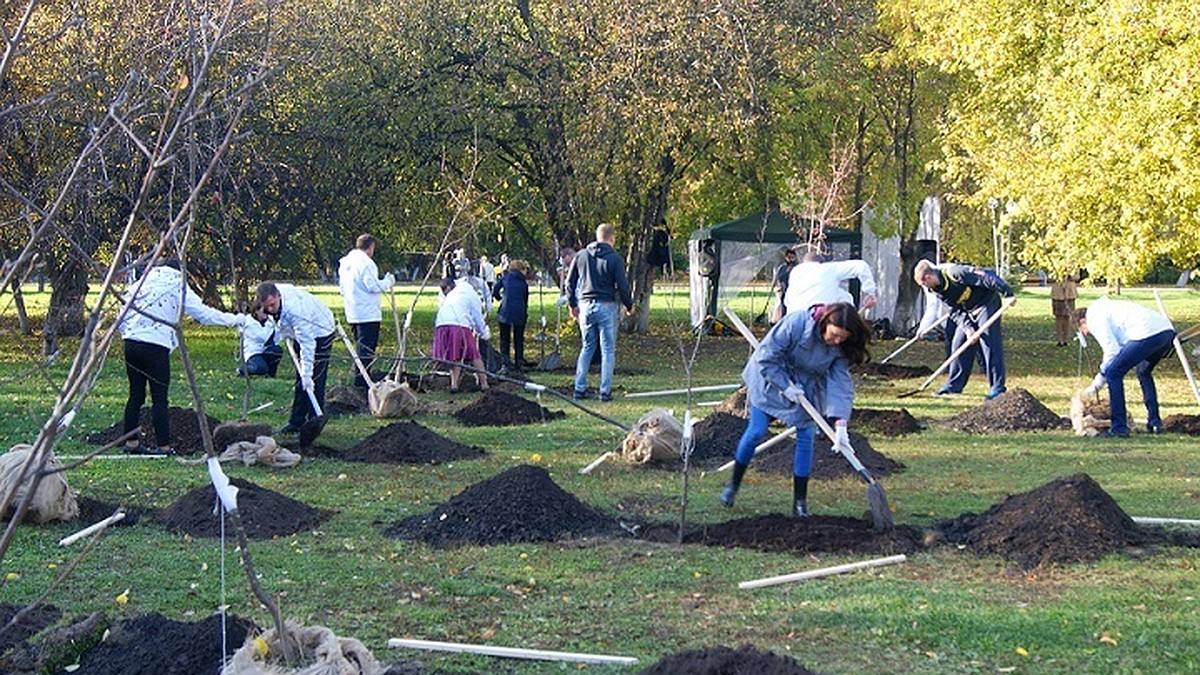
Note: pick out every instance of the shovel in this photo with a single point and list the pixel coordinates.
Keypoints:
(918, 336)
(550, 361)
(311, 427)
(1008, 302)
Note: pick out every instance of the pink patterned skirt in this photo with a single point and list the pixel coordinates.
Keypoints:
(455, 344)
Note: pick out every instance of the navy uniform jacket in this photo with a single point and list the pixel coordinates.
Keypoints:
(966, 288)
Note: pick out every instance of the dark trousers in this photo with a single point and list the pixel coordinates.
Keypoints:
(148, 364)
(302, 409)
(366, 339)
(1142, 355)
(990, 344)
(513, 333)
(265, 362)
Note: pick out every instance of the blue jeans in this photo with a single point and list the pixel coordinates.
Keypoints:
(598, 324)
(1144, 355)
(756, 431)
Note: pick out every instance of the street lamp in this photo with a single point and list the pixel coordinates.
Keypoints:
(994, 205)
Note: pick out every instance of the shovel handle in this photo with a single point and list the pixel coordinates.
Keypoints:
(920, 334)
(312, 397)
(848, 453)
(362, 370)
(1008, 302)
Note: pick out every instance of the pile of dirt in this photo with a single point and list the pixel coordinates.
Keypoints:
(1067, 520)
(521, 504)
(228, 433)
(29, 625)
(1015, 410)
(726, 660)
(1183, 424)
(885, 422)
(408, 443)
(501, 409)
(265, 514)
(826, 464)
(152, 645)
(185, 431)
(892, 371)
(716, 438)
(343, 400)
(93, 511)
(735, 404)
(779, 533)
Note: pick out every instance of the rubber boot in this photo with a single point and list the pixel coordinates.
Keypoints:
(731, 488)
(800, 496)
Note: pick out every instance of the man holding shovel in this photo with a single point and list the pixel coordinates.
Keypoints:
(301, 314)
(361, 288)
(974, 296)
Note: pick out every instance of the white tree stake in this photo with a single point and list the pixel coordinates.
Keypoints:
(823, 572)
(510, 652)
(596, 462)
(1166, 521)
(1187, 368)
(769, 443)
(67, 541)
(668, 392)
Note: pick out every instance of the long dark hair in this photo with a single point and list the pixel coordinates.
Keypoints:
(845, 316)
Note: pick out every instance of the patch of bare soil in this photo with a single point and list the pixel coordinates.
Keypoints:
(426, 383)
(893, 371)
(1067, 520)
(94, 510)
(1182, 424)
(185, 431)
(885, 422)
(779, 533)
(502, 409)
(521, 504)
(29, 625)
(1014, 410)
(407, 443)
(265, 514)
(726, 661)
(154, 645)
(827, 464)
(716, 438)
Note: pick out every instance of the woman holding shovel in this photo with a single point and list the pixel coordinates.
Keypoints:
(807, 353)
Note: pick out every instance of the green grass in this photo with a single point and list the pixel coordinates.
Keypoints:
(945, 610)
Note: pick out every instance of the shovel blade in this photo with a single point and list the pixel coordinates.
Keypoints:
(310, 430)
(550, 362)
(881, 513)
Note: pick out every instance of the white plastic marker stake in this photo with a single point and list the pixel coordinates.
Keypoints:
(1187, 367)
(511, 652)
(769, 443)
(596, 462)
(823, 572)
(71, 539)
(668, 392)
(225, 492)
(1166, 521)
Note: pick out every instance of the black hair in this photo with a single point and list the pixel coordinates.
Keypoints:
(845, 316)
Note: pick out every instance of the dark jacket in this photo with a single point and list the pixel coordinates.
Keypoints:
(513, 293)
(598, 274)
(965, 288)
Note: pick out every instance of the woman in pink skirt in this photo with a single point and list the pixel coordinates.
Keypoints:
(459, 319)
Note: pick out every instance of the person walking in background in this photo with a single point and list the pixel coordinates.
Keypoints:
(153, 309)
(973, 296)
(596, 287)
(780, 284)
(805, 354)
(303, 316)
(1062, 305)
(1131, 336)
(361, 288)
(458, 321)
(513, 293)
(815, 282)
(487, 271)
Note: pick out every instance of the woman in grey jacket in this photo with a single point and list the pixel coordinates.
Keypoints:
(808, 353)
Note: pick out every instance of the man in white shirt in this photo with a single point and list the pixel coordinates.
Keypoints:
(814, 282)
(301, 314)
(1131, 336)
(361, 288)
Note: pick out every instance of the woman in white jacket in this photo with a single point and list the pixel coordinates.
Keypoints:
(360, 286)
(459, 319)
(154, 308)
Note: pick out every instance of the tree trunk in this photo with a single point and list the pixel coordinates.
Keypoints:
(65, 315)
(19, 302)
(641, 273)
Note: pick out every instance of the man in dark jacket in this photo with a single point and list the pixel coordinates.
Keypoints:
(973, 295)
(512, 290)
(596, 286)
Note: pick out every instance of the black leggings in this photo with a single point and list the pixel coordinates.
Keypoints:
(147, 363)
(518, 343)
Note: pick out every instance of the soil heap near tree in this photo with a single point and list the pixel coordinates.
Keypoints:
(153, 645)
(1014, 410)
(497, 408)
(265, 514)
(780, 533)
(406, 443)
(185, 431)
(521, 504)
(726, 661)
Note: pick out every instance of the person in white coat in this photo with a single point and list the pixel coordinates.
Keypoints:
(361, 288)
(300, 314)
(459, 319)
(814, 282)
(1131, 336)
(150, 321)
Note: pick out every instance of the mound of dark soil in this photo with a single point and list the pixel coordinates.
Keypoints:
(1183, 424)
(734, 405)
(892, 371)
(826, 464)
(408, 443)
(1015, 410)
(885, 422)
(94, 510)
(501, 409)
(716, 438)
(154, 645)
(778, 533)
(520, 504)
(344, 400)
(1067, 520)
(265, 514)
(29, 625)
(228, 433)
(726, 661)
(185, 431)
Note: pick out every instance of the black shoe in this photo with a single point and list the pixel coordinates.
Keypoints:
(800, 509)
(581, 395)
(289, 428)
(605, 398)
(728, 494)
(1154, 428)
(1116, 434)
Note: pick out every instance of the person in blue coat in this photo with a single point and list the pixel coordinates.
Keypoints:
(512, 290)
(808, 354)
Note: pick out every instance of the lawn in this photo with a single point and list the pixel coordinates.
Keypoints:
(945, 610)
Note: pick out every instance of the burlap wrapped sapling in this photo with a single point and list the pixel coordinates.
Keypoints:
(262, 450)
(388, 398)
(321, 653)
(1089, 413)
(53, 500)
(655, 438)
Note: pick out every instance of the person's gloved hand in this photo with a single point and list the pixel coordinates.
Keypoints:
(794, 393)
(389, 280)
(1092, 391)
(306, 383)
(487, 332)
(841, 435)
(562, 300)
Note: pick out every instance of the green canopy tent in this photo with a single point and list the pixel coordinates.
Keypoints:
(725, 258)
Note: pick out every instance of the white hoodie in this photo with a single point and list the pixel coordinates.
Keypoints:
(820, 283)
(154, 303)
(1114, 323)
(359, 282)
(307, 319)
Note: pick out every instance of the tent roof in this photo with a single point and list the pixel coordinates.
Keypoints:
(780, 228)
